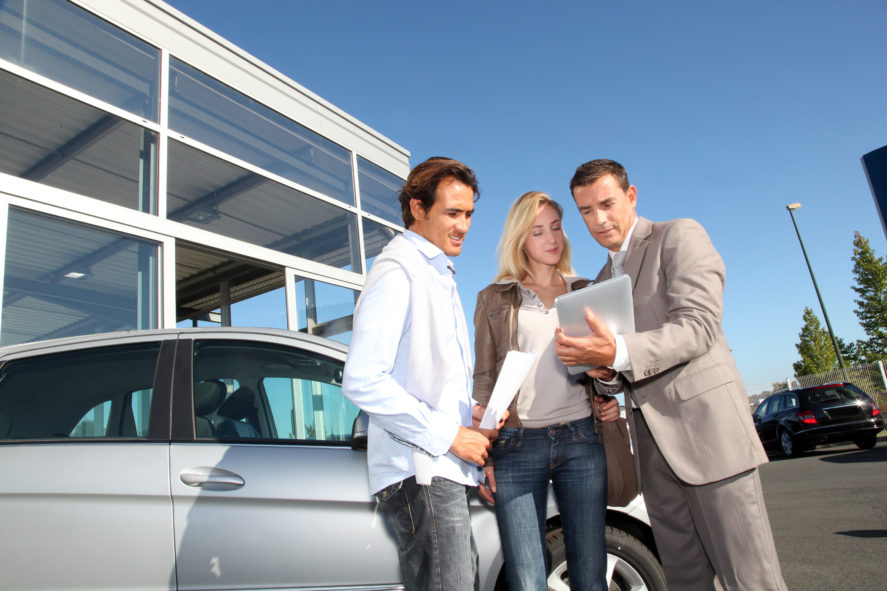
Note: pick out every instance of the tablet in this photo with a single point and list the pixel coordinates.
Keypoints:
(609, 300)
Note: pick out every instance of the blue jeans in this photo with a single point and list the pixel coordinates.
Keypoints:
(433, 531)
(571, 457)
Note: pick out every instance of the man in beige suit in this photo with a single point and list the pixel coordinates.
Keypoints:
(697, 449)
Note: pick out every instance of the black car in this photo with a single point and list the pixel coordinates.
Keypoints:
(800, 419)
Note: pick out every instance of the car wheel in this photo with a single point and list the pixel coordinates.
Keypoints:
(789, 447)
(866, 441)
(634, 566)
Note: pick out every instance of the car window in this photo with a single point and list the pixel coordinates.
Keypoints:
(95, 422)
(247, 390)
(775, 405)
(791, 401)
(762, 409)
(833, 394)
(91, 393)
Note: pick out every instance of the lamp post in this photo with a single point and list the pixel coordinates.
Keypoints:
(791, 207)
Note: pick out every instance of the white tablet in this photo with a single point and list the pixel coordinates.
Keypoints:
(609, 300)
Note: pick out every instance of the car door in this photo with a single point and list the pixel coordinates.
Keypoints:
(271, 494)
(766, 422)
(84, 492)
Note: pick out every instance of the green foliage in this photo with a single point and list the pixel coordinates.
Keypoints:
(815, 347)
(870, 273)
(778, 386)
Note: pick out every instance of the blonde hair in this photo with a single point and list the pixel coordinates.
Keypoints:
(513, 262)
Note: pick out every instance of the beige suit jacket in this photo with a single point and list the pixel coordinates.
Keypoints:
(683, 375)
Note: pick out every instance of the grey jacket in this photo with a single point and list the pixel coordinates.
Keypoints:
(683, 375)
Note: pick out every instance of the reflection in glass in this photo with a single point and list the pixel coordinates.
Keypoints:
(324, 309)
(65, 279)
(375, 237)
(213, 113)
(72, 46)
(49, 138)
(378, 191)
(211, 194)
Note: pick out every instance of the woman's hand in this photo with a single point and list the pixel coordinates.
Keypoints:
(606, 408)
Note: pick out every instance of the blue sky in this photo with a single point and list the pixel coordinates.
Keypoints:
(721, 111)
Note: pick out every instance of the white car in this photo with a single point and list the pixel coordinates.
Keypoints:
(212, 459)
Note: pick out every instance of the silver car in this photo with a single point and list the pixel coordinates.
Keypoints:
(211, 459)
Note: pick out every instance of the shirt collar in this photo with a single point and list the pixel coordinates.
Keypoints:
(436, 257)
(625, 242)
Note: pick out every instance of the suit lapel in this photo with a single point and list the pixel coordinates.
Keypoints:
(637, 250)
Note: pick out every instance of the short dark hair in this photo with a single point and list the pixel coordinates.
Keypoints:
(592, 171)
(423, 180)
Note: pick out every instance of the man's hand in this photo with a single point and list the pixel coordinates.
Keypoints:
(606, 408)
(597, 349)
(473, 444)
(605, 374)
(487, 490)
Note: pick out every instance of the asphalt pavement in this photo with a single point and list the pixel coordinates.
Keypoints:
(828, 511)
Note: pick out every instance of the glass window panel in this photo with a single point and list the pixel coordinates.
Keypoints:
(215, 114)
(266, 310)
(324, 309)
(49, 138)
(379, 190)
(375, 237)
(72, 46)
(65, 279)
(101, 392)
(209, 193)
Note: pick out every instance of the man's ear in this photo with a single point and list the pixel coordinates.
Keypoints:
(417, 210)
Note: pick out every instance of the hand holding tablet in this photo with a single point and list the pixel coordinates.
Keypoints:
(609, 300)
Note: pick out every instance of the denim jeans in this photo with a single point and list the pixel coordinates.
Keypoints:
(571, 457)
(432, 528)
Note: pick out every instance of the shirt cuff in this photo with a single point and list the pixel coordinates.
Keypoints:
(622, 362)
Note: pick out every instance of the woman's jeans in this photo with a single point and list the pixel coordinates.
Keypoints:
(433, 530)
(571, 457)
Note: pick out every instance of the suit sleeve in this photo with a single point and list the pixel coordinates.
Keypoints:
(687, 293)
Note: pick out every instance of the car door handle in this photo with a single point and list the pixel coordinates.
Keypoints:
(212, 477)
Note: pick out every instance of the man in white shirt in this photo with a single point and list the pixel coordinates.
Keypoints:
(409, 368)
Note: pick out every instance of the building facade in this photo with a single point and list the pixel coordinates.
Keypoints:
(152, 175)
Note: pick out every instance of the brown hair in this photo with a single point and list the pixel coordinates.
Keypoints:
(592, 171)
(423, 180)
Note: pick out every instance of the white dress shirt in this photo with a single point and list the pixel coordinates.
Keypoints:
(376, 372)
(622, 362)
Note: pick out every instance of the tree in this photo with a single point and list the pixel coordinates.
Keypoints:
(870, 273)
(815, 347)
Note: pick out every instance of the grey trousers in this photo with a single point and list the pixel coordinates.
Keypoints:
(711, 536)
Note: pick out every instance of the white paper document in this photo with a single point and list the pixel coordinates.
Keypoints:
(514, 371)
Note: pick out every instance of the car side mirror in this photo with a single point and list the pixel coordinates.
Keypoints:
(359, 431)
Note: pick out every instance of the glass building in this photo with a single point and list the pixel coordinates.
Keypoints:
(154, 175)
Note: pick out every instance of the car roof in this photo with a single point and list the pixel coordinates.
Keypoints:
(138, 336)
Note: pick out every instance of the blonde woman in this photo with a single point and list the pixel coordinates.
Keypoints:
(549, 435)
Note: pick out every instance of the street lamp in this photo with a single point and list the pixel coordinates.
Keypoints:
(791, 207)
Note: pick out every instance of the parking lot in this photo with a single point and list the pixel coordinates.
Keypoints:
(828, 509)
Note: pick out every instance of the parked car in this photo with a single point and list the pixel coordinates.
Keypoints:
(797, 420)
(212, 459)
